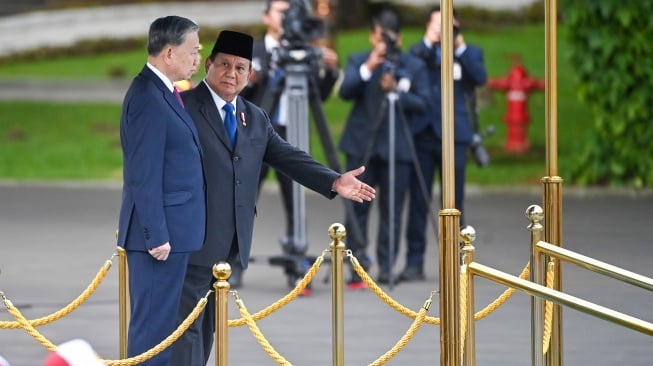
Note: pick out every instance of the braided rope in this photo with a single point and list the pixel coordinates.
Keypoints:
(548, 308)
(167, 342)
(401, 344)
(429, 319)
(90, 289)
(256, 331)
(463, 311)
(292, 295)
(507, 294)
(384, 296)
(29, 328)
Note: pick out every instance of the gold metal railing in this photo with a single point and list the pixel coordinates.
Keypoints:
(561, 298)
(543, 256)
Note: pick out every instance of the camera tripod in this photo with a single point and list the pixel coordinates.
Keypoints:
(301, 90)
(392, 106)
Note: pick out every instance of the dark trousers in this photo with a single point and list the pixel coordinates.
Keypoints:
(285, 186)
(429, 154)
(377, 175)
(194, 347)
(155, 289)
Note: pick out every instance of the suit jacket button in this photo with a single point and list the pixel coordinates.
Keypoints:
(236, 158)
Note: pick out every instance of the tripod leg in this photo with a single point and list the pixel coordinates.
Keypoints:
(418, 170)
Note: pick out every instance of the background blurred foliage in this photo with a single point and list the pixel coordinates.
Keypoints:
(611, 53)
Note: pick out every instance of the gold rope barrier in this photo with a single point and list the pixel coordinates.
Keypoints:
(286, 299)
(99, 277)
(548, 307)
(419, 319)
(429, 319)
(257, 332)
(25, 324)
(382, 295)
(463, 312)
(169, 340)
(29, 328)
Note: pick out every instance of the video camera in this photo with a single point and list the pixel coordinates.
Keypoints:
(479, 153)
(299, 27)
(393, 51)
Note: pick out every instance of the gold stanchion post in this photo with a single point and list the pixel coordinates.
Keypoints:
(449, 217)
(123, 301)
(221, 271)
(535, 214)
(468, 235)
(337, 232)
(552, 182)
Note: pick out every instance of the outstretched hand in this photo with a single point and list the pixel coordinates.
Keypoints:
(348, 186)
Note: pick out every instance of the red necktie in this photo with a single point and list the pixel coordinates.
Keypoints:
(175, 92)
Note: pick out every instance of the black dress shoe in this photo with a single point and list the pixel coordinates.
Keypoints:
(412, 274)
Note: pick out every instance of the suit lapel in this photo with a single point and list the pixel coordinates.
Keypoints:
(172, 101)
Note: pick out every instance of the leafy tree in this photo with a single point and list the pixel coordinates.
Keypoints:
(611, 52)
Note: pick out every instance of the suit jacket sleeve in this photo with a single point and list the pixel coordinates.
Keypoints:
(298, 164)
(353, 85)
(473, 67)
(144, 159)
(416, 99)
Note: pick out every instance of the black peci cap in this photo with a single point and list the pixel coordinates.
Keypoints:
(233, 43)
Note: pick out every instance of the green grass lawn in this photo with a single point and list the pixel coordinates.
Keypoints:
(81, 141)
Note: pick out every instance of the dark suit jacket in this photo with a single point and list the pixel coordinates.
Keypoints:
(255, 92)
(472, 75)
(366, 111)
(163, 196)
(232, 174)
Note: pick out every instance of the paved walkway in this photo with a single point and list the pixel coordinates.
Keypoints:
(55, 238)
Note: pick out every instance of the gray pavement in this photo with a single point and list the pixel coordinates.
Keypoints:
(55, 237)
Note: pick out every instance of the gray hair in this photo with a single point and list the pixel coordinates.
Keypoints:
(170, 30)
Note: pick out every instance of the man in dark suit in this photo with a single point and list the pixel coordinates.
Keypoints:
(369, 78)
(267, 76)
(233, 157)
(163, 213)
(468, 73)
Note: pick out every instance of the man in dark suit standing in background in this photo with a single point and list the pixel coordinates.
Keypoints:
(267, 75)
(369, 77)
(468, 73)
(237, 138)
(163, 213)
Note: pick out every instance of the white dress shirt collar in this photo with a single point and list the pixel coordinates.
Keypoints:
(219, 102)
(169, 84)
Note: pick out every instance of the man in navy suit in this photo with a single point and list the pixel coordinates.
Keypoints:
(369, 78)
(163, 214)
(233, 158)
(468, 73)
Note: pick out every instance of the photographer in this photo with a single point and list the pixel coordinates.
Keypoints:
(468, 73)
(369, 78)
(268, 76)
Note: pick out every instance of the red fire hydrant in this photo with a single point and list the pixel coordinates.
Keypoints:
(517, 85)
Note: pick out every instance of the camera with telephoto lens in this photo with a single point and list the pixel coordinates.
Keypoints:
(392, 50)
